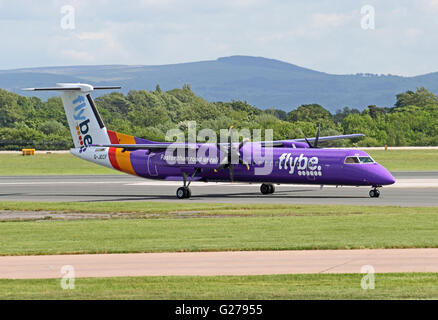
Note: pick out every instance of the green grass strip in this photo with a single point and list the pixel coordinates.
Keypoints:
(178, 209)
(295, 232)
(307, 286)
(49, 164)
(407, 160)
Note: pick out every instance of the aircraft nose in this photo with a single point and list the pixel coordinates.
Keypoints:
(377, 175)
(387, 178)
(384, 177)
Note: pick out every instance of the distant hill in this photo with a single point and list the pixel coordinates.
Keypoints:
(262, 82)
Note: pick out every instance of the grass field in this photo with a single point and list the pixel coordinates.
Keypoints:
(154, 209)
(158, 227)
(309, 286)
(407, 160)
(56, 164)
(195, 227)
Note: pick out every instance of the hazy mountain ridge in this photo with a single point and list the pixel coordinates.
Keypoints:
(262, 82)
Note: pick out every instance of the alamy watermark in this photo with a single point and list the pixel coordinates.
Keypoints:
(368, 17)
(368, 280)
(68, 18)
(232, 147)
(68, 277)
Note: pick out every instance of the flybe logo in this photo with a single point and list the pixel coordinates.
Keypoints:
(300, 164)
(82, 123)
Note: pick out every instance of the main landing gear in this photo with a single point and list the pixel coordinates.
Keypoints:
(184, 191)
(267, 188)
(374, 193)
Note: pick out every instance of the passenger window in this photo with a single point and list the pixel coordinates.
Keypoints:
(351, 160)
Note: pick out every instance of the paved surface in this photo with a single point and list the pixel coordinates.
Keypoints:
(360, 148)
(411, 189)
(221, 263)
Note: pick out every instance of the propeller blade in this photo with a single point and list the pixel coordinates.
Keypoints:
(241, 161)
(243, 143)
(226, 161)
(222, 166)
(230, 150)
(305, 138)
(315, 143)
(230, 135)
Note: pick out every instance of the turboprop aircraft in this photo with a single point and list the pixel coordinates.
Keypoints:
(298, 161)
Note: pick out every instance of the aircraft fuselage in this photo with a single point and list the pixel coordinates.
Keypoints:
(286, 166)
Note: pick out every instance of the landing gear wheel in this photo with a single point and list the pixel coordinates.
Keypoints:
(183, 193)
(374, 193)
(267, 188)
(271, 188)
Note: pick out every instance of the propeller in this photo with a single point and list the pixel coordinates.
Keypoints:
(226, 162)
(315, 143)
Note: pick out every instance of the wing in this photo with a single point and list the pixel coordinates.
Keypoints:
(157, 146)
(328, 138)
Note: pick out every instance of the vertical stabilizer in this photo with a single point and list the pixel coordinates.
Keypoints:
(86, 125)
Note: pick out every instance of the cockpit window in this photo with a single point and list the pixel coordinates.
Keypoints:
(351, 160)
(366, 160)
(359, 160)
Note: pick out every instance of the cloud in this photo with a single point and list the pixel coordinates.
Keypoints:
(414, 33)
(173, 31)
(106, 38)
(432, 4)
(330, 20)
(81, 57)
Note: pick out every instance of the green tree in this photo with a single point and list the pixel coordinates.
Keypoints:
(420, 98)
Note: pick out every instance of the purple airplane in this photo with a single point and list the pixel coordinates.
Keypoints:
(297, 161)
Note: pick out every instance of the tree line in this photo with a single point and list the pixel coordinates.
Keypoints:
(31, 122)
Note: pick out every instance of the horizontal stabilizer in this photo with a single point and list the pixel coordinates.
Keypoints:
(73, 87)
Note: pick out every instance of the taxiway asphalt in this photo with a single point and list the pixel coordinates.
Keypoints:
(411, 189)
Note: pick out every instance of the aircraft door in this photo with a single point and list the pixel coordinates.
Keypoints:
(152, 167)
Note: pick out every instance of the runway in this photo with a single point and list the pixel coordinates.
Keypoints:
(411, 189)
(221, 263)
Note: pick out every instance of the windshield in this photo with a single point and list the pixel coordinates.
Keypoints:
(366, 160)
(359, 160)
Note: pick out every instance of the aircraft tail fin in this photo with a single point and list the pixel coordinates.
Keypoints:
(86, 125)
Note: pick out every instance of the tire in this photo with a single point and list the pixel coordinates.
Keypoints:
(264, 189)
(188, 193)
(271, 188)
(374, 193)
(181, 193)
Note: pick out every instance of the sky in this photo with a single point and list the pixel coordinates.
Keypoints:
(331, 36)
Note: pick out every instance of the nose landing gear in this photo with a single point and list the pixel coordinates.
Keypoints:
(374, 193)
(267, 188)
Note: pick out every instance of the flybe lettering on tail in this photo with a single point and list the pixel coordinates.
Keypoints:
(82, 127)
